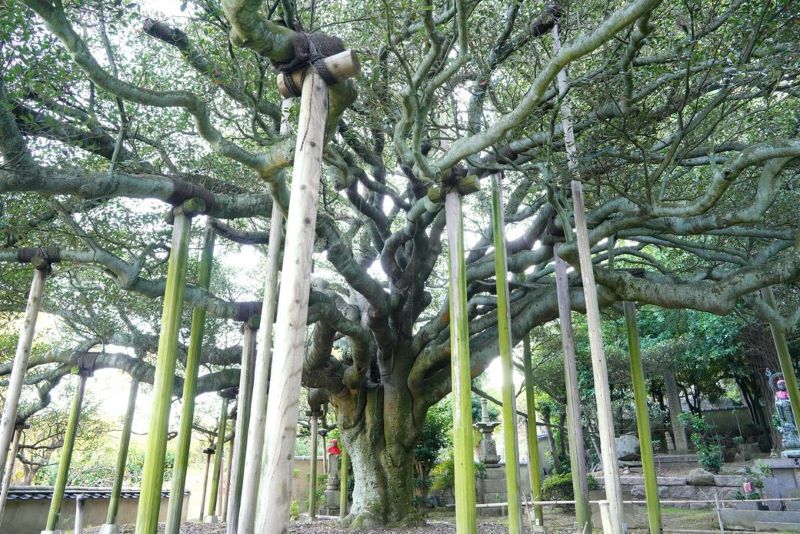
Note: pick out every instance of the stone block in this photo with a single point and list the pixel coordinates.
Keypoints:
(765, 526)
(700, 477)
(734, 519)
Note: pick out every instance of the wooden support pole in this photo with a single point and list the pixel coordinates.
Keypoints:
(784, 358)
(219, 457)
(460, 368)
(534, 467)
(506, 363)
(14, 390)
(344, 471)
(209, 452)
(275, 489)
(122, 458)
(66, 453)
(241, 436)
(602, 392)
(153, 476)
(577, 452)
(312, 475)
(9, 470)
(643, 420)
(191, 371)
(225, 489)
(258, 415)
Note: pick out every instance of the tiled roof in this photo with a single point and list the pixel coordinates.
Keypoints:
(35, 493)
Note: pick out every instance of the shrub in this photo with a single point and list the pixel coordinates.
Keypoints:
(709, 451)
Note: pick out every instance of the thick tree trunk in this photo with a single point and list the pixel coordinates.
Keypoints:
(381, 444)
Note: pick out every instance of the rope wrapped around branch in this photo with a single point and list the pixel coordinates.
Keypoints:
(310, 49)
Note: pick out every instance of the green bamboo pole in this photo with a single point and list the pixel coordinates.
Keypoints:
(209, 452)
(782, 348)
(466, 520)
(534, 468)
(312, 475)
(66, 453)
(153, 476)
(183, 445)
(643, 420)
(504, 342)
(216, 473)
(122, 458)
(343, 472)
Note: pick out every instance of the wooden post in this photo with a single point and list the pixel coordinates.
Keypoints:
(66, 453)
(344, 471)
(643, 420)
(312, 475)
(9, 419)
(605, 420)
(225, 489)
(674, 403)
(534, 468)
(209, 452)
(80, 502)
(274, 496)
(507, 365)
(242, 421)
(191, 371)
(122, 457)
(258, 415)
(9, 470)
(577, 453)
(460, 368)
(784, 358)
(153, 476)
(219, 451)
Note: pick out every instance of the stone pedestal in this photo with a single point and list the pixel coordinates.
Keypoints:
(109, 529)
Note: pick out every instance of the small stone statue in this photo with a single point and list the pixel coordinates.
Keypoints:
(333, 465)
(783, 406)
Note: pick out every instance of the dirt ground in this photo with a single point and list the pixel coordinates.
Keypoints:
(556, 522)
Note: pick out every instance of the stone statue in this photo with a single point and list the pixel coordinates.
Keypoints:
(333, 465)
(783, 407)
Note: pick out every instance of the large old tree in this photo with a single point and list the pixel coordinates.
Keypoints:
(685, 114)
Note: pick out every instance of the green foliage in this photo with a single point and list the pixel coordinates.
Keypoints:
(294, 510)
(435, 437)
(754, 475)
(558, 487)
(443, 475)
(709, 451)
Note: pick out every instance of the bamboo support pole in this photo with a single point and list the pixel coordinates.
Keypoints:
(219, 457)
(153, 476)
(9, 473)
(258, 415)
(191, 371)
(507, 365)
(534, 467)
(602, 392)
(209, 452)
(312, 475)
(242, 421)
(643, 420)
(577, 453)
(20, 365)
(122, 458)
(344, 471)
(784, 358)
(460, 368)
(274, 495)
(66, 454)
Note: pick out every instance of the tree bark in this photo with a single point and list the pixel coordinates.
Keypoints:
(674, 403)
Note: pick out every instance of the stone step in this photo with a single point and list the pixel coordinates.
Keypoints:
(774, 526)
